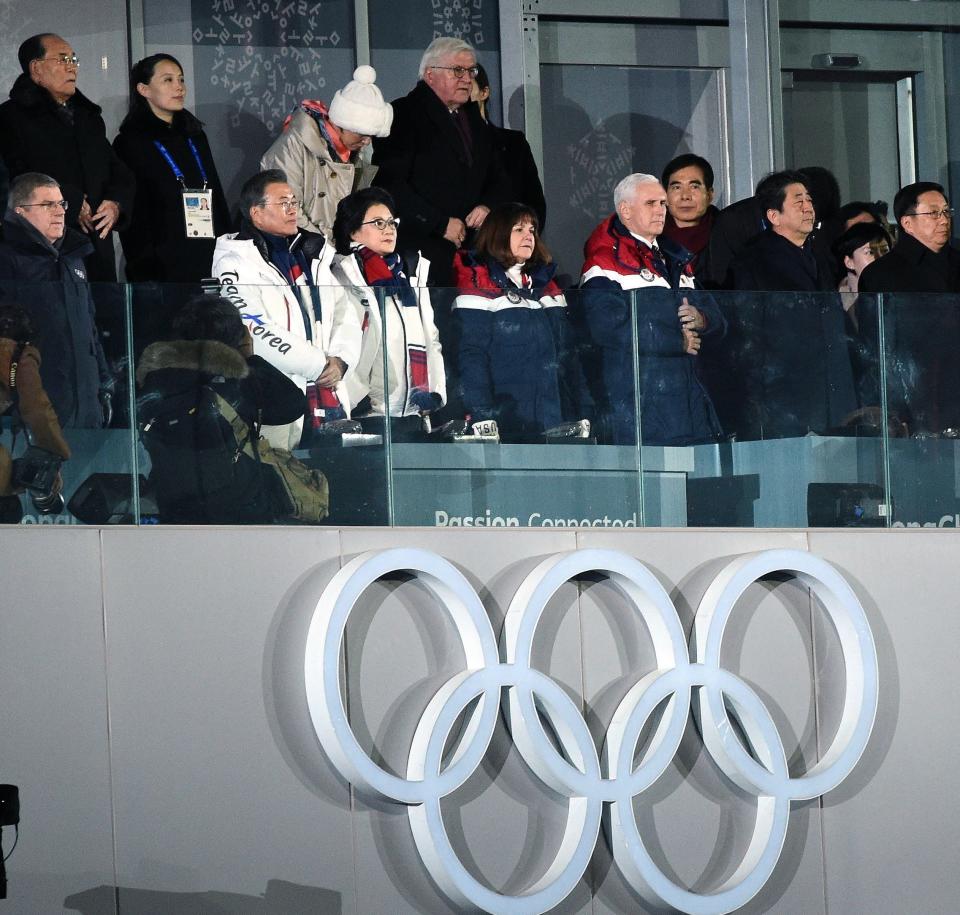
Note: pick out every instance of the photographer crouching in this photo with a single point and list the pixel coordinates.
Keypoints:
(37, 471)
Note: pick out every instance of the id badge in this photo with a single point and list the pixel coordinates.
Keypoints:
(198, 213)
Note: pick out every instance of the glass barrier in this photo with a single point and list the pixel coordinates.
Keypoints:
(582, 409)
(491, 413)
(919, 376)
(800, 444)
(249, 423)
(65, 421)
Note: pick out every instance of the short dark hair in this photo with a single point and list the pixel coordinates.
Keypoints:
(772, 189)
(493, 239)
(352, 209)
(142, 72)
(32, 49)
(254, 189)
(209, 317)
(483, 81)
(15, 323)
(858, 235)
(907, 197)
(688, 160)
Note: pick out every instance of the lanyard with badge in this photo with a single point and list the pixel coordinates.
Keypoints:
(197, 204)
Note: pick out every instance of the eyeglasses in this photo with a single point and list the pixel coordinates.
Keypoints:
(47, 205)
(65, 59)
(288, 206)
(382, 224)
(945, 213)
(460, 72)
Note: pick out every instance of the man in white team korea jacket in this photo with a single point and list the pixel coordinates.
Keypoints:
(299, 317)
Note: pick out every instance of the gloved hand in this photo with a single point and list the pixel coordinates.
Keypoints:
(106, 406)
(425, 401)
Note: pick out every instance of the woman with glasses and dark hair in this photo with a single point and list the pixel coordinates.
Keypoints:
(512, 326)
(179, 208)
(855, 249)
(371, 270)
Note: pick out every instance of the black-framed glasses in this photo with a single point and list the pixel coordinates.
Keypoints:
(382, 224)
(945, 213)
(288, 206)
(48, 205)
(460, 72)
(65, 59)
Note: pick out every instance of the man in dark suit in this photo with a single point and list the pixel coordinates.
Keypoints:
(439, 162)
(921, 325)
(49, 126)
(789, 345)
(923, 259)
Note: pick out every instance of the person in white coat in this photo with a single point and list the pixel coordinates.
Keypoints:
(325, 153)
(376, 277)
(300, 319)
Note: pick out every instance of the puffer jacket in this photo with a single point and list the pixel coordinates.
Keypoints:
(286, 332)
(512, 345)
(50, 281)
(316, 175)
(621, 274)
(402, 323)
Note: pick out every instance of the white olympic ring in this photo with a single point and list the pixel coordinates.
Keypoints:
(590, 780)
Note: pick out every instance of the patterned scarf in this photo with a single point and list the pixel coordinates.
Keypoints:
(331, 133)
(386, 272)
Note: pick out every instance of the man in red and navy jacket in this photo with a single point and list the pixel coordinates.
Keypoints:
(630, 270)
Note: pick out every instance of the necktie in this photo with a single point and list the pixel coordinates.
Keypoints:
(460, 119)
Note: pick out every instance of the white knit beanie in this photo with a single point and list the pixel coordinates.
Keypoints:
(360, 107)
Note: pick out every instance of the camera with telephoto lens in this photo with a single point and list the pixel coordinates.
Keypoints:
(36, 471)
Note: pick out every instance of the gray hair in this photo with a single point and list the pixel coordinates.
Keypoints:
(23, 186)
(625, 190)
(442, 48)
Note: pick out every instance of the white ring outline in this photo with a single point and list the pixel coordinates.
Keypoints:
(769, 778)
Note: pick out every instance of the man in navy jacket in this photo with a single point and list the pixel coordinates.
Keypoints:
(41, 266)
(630, 269)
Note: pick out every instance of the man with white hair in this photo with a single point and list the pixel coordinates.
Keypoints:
(438, 161)
(630, 268)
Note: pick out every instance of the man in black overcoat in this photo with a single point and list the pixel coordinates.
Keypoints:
(439, 162)
(49, 126)
(790, 348)
(921, 324)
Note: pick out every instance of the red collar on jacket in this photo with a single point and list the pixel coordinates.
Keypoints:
(612, 247)
(476, 276)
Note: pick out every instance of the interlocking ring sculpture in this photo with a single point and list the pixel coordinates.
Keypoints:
(590, 781)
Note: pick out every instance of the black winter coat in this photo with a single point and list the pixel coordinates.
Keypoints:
(155, 241)
(36, 137)
(921, 334)
(197, 480)
(523, 183)
(788, 347)
(50, 282)
(424, 165)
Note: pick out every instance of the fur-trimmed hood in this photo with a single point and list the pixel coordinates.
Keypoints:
(206, 357)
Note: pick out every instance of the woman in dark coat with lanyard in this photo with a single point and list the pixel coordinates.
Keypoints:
(179, 209)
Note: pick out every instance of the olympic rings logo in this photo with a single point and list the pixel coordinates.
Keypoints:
(587, 779)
